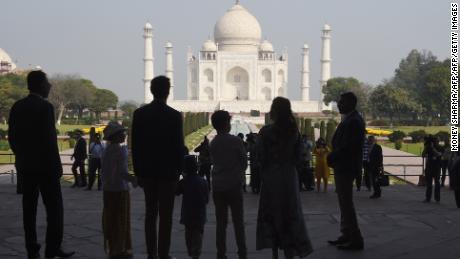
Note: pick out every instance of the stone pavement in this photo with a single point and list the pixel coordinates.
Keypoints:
(397, 226)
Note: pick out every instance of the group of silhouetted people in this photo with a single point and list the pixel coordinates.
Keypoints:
(280, 161)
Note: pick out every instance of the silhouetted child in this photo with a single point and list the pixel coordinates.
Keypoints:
(116, 222)
(193, 213)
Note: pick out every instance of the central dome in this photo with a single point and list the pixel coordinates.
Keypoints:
(238, 30)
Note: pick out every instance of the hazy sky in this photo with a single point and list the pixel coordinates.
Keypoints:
(102, 40)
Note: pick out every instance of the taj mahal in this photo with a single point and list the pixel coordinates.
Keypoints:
(237, 71)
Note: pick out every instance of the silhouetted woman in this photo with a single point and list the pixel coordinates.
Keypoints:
(280, 222)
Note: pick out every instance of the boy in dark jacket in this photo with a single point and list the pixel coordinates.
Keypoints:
(193, 213)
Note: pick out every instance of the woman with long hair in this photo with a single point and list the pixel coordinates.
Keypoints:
(280, 222)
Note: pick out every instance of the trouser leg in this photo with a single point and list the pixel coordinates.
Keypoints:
(151, 214)
(75, 173)
(444, 164)
(358, 181)
(349, 223)
(236, 206)
(91, 172)
(82, 172)
(429, 185)
(437, 185)
(165, 209)
(50, 190)
(375, 183)
(221, 207)
(194, 239)
(98, 169)
(367, 176)
(29, 213)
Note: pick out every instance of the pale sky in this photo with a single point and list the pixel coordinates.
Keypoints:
(102, 40)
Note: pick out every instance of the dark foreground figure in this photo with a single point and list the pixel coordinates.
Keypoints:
(346, 159)
(158, 151)
(38, 161)
(280, 221)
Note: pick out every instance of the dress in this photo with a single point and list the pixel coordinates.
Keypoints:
(322, 170)
(280, 221)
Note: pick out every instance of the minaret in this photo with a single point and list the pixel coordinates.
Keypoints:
(148, 62)
(305, 87)
(169, 68)
(325, 64)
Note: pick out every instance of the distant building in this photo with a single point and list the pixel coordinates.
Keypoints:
(6, 64)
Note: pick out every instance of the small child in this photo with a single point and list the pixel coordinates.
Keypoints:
(116, 223)
(193, 213)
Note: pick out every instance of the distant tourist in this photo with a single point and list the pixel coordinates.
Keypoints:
(33, 140)
(346, 158)
(375, 166)
(305, 171)
(229, 159)
(116, 222)
(454, 170)
(445, 162)
(432, 154)
(204, 160)
(254, 166)
(96, 148)
(158, 151)
(322, 170)
(241, 136)
(79, 156)
(280, 219)
(195, 196)
(366, 176)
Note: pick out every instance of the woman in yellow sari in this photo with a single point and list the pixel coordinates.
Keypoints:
(322, 171)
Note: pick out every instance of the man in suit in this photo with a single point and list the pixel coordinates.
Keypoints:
(375, 166)
(79, 156)
(33, 139)
(158, 151)
(346, 160)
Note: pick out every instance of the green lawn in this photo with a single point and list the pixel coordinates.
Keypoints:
(194, 139)
(413, 148)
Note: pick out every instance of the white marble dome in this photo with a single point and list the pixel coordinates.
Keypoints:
(237, 29)
(5, 58)
(266, 46)
(209, 45)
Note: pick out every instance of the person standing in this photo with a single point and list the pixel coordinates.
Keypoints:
(445, 162)
(39, 163)
(229, 159)
(322, 170)
(375, 166)
(254, 167)
(432, 155)
(96, 148)
(204, 160)
(158, 151)
(116, 198)
(454, 170)
(195, 196)
(304, 169)
(280, 219)
(346, 160)
(366, 176)
(79, 156)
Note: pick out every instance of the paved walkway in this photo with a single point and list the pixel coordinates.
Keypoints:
(397, 226)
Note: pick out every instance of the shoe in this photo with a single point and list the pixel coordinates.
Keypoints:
(339, 241)
(426, 201)
(374, 196)
(59, 254)
(351, 246)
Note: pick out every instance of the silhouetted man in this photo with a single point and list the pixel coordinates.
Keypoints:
(346, 159)
(79, 156)
(375, 166)
(158, 152)
(33, 139)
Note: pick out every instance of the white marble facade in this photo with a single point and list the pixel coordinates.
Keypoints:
(236, 70)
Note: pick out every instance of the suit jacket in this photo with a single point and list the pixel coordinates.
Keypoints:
(79, 151)
(346, 156)
(32, 137)
(375, 157)
(157, 141)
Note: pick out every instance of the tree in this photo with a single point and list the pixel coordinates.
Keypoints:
(436, 91)
(128, 108)
(339, 85)
(83, 94)
(62, 93)
(12, 88)
(103, 100)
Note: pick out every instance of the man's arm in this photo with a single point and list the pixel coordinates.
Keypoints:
(12, 129)
(50, 132)
(134, 143)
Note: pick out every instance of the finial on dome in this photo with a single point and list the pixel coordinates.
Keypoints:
(237, 2)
